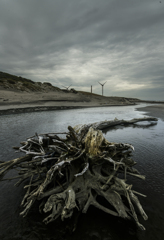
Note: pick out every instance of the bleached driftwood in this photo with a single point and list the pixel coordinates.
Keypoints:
(69, 173)
(107, 124)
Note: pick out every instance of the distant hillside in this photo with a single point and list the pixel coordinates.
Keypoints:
(12, 82)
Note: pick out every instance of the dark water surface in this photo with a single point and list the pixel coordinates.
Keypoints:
(149, 155)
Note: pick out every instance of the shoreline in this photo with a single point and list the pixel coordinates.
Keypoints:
(12, 102)
(7, 109)
(10, 109)
(21, 102)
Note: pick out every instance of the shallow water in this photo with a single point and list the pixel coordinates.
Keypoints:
(149, 152)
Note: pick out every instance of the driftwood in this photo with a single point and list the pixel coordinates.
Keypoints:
(68, 174)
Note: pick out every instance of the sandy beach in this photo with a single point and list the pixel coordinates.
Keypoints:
(16, 101)
(13, 101)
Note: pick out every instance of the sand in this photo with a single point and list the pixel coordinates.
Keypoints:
(14, 101)
(154, 110)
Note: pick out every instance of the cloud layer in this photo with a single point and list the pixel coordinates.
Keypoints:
(83, 42)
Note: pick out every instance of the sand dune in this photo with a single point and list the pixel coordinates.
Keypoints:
(16, 99)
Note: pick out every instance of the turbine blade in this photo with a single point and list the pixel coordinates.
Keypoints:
(104, 83)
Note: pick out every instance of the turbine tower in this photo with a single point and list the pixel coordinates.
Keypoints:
(102, 86)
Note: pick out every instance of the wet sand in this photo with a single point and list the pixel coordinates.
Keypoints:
(154, 110)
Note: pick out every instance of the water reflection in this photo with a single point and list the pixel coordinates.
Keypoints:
(136, 125)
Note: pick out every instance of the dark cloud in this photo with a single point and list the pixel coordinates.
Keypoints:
(86, 41)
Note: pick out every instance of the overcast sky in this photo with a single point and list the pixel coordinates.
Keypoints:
(81, 42)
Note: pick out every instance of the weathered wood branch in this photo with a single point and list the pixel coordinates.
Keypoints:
(115, 122)
(68, 174)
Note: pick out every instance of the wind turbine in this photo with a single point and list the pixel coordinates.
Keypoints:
(67, 87)
(102, 86)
